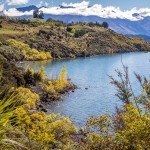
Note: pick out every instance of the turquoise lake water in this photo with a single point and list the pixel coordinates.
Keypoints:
(93, 73)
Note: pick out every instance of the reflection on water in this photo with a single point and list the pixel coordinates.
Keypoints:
(92, 73)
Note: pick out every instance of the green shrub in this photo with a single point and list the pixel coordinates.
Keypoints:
(79, 33)
(69, 29)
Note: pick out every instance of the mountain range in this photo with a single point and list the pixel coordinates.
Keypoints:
(28, 8)
(124, 26)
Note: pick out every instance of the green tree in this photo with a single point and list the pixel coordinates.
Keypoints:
(105, 25)
(38, 14)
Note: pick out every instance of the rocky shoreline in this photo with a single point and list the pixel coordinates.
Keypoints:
(47, 98)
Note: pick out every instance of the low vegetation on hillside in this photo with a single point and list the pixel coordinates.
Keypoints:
(62, 40)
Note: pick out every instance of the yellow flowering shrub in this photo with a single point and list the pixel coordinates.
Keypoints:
(29, 53)
(62, 81)
(134, 129)
(42, 73)
(54, 86)
(42, 131)
(50, 88)
(28, 98)
(123, 131)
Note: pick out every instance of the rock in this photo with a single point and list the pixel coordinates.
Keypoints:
(41, 106)
(49, 96)
(33, 111)
(86, 88)
(44, 110)
(42, 32)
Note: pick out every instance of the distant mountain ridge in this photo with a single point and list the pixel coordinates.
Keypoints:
(123, 26)
(28, 8)
(65, 7)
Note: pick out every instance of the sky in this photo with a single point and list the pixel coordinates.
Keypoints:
(122, 4)
(123, 9)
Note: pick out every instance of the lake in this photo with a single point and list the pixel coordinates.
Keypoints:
(95, 95)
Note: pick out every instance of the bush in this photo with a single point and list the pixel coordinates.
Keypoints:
(28, 99)
(69, 29)
(29, 53)
(11, 76)
(79, 33)
(45, 131)
(10, 53)
(31, 77)
(54, 86)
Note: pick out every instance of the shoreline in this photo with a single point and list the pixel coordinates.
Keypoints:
(104, 54)
(42, 104)
(47, 99)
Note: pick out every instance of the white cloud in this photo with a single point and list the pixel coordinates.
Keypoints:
(14, 12)
(16, 2)
(46, 4)
(1, 7)
(98, 10)
(82, 4)
(84, 9)
(42, 4)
